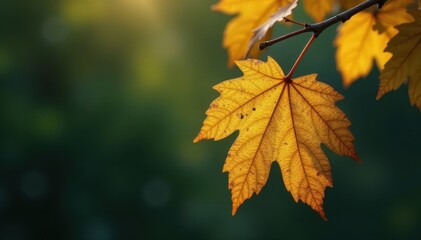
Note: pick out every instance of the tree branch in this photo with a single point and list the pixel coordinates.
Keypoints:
(318, 28)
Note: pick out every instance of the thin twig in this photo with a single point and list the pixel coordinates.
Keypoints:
(295, 22)
(266, 44)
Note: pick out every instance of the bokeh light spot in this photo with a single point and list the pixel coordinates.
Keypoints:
(34, 185)
(156, 193)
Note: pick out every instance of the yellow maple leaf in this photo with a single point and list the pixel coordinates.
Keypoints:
(318, 9)
(405, 63)
(240, 30)
(279, 120)
(359, 43)
(393, 13)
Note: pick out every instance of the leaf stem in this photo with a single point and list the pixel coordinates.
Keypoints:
(318, 28)
(295, 22)
(300, 57)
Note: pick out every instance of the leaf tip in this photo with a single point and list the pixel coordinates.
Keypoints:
(346, 83)
(379, 94)
(198, 138)
(237, 62)
(231, 63)
(354, 155)
(234, 209)
(215, 7)
(319, 209)
(271, 58)
(357, 158)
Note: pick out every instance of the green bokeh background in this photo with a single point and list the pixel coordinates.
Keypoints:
(101, 99)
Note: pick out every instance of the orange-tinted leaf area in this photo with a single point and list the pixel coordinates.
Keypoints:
(278, 120)
(405, 65)
(364, 37)
(250, 15)
(347, 4)
(318, 9)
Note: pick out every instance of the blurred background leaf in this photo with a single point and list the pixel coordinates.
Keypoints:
(100, 102)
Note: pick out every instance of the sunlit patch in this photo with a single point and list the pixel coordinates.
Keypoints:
(148, 71)
(54, 30)
(148, 10)
(168, 44)
(149, 13)
(83, 11)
